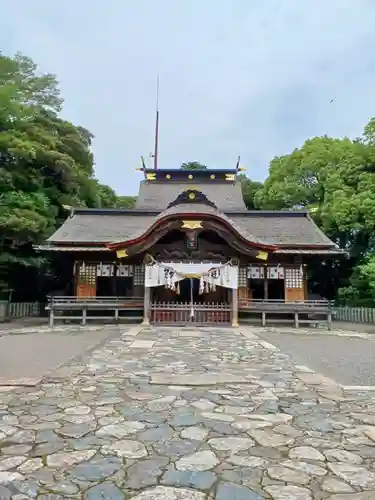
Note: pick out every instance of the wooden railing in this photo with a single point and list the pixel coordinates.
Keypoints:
(303, 311)
(185, 312)
(281, 304)
(62, 307)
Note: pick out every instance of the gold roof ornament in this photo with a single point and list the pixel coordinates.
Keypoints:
(229, 177)
(262, 255)
(191, 224)
(150, 176)
(121, 254)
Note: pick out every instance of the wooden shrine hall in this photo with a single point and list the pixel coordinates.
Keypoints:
(189, 252)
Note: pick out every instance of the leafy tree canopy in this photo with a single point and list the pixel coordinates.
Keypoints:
(193, 165)
(45, 162)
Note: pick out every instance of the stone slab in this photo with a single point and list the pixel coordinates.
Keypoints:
(197, 379)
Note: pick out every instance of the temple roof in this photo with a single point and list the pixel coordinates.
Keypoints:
(170, 195)
(155, 195)
(287, 229)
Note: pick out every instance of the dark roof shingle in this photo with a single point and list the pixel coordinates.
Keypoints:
(155, 195)
(106, 226)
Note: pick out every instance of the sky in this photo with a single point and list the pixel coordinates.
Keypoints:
(237, 77)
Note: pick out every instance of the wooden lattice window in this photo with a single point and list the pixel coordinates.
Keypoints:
(87, 273)
(242, 277)
(139, 275)
(293, 277)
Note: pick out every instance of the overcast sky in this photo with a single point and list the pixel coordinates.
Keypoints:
(237, 77)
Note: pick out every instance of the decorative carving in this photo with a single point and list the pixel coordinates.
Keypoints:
(191, 224)
(150, 176)
(177, 251)
(192, 240)
(229, 177)
(192, 196)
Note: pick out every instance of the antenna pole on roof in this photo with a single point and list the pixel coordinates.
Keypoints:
(238, 163)
(156, 126)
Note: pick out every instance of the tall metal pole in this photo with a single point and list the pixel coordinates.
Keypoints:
(156, 127)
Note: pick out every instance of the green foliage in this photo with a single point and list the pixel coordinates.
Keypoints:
(329, 178)
(126, 201)
(193, 165)
(249, 191)
(45, 162)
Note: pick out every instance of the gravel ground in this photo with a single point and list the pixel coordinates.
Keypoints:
(349, 361)
(32, 353)
(186, 414)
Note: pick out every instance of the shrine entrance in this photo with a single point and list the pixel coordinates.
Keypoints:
(189, 290)
(192, 293)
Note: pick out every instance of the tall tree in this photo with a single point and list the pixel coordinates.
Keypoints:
(326, 177)
(45, 163)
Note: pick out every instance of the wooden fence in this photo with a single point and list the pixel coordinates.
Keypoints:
(354, 314)
(19, 309)
(185, 312)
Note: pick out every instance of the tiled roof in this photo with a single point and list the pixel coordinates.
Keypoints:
(154, 195)
(275, 228)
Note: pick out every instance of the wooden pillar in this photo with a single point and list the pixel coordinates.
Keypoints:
(296, 319)
(146, 306)
(51, 314)
(305, 287)
(84, 316)
(114, 281)
(265, 283)
(235, 307)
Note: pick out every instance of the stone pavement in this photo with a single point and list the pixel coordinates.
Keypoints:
(186, 414)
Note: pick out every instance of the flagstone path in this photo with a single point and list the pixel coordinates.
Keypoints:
(186, 414)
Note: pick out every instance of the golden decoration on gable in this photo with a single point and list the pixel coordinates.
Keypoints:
(190, 176)
(191, 224)
(262, 255)
(150, 176)
(191, 196)
(229, 177)
(121, 254)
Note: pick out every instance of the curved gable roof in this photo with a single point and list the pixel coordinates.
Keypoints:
(154, 195)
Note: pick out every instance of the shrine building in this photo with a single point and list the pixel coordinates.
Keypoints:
(189, 252)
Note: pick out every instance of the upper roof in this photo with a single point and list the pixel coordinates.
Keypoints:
(169, 194)
(156, 195)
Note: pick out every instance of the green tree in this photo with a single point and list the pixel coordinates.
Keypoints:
(326, 177)
(193, 165)
(126, 201)
(45, 162)
(249, 191)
